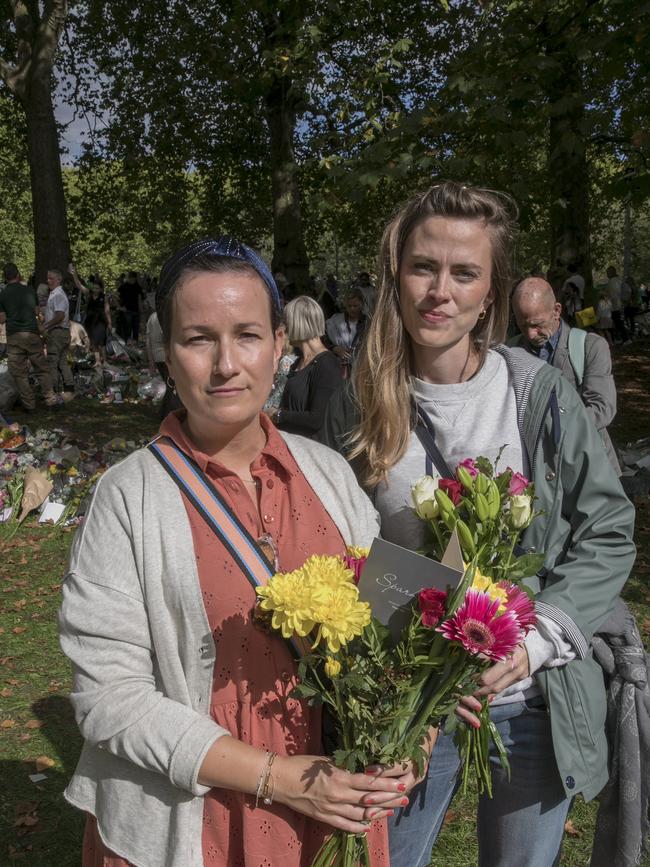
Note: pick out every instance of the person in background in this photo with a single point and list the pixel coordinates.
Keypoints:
(183, 700)
(345, 330)
(157, 361)
(18, 308)
(98, 321)
(131, 296)
(614, 291)
(364, 283)
(546, 335)
(631, 298)
(604, 314)
(328, 298)
(314, 376)
(56, 328)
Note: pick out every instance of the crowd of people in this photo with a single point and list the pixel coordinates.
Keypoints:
(302, 417)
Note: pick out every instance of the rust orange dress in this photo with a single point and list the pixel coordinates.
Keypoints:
(254, 671)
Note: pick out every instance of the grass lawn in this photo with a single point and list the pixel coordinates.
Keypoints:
(37, 730)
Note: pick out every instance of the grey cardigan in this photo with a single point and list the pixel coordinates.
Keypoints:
(133, 624)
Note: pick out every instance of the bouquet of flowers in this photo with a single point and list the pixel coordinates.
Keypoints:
(385, 695)
(488, 512)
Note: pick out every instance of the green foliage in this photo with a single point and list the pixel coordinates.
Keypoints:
(16, 233)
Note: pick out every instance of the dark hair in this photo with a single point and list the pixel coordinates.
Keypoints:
(133, 274)
(200, 264)
(11, 272)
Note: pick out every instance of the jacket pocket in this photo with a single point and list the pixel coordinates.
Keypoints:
(586, 691)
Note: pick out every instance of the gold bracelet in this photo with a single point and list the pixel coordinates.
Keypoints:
(266, 783)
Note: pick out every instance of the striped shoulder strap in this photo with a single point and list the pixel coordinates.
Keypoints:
(218, 515)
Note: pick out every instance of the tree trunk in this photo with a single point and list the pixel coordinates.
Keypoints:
(289, 252)
(568, 175)
(51, 237)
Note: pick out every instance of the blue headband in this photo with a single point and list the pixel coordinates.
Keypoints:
(225, 246)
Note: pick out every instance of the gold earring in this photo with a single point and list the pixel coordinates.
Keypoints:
(482, 313)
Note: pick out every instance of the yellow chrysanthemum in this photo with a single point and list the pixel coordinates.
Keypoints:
(326, 571)
(486, 585)
(357, 552)
(291, 599)
(332, 667)
(340, 616)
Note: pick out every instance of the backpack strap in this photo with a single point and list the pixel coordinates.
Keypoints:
(220, 518)
(577, 353)
(425, 432)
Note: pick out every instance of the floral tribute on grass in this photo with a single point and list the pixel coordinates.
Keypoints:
(488, 512)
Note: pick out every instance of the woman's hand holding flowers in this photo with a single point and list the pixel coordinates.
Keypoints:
(314, 786)
(493, 681)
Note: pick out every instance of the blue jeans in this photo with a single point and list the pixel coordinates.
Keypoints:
(523, 823)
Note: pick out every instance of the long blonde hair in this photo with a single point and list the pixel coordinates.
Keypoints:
(381, 377)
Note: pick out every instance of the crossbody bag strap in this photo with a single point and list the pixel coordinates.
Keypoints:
(425, 432)
(219, 517)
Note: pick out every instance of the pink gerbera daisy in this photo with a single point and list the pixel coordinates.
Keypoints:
(479, 627)
(521, 605)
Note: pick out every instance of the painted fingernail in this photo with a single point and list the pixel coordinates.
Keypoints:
(371, 771)
(404, 802)
(369, 800)
(401, 787)
(391, 813)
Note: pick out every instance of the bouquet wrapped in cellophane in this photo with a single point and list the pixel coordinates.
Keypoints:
(384, 694)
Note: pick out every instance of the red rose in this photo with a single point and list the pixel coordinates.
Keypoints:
(433, 604)
(452, 488)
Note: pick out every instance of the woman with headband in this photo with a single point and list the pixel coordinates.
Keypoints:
(194, 751)
(432, 387)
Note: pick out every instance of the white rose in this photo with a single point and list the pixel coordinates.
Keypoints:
(424, 500)
(520, 511)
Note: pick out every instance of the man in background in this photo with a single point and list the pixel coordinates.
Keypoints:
(131, 297)
(545, 334)
(56, 329)
(18, 306)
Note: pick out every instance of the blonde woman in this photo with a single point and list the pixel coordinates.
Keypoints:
(432, 387)
(314, 376)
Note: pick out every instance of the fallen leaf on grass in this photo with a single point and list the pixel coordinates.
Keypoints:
(44, 762)
(24, 738)
(450, 816)
(6, 692)
(27, 821)
(33, 724)
(571, 829)
(7, 723)
(18, 630)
